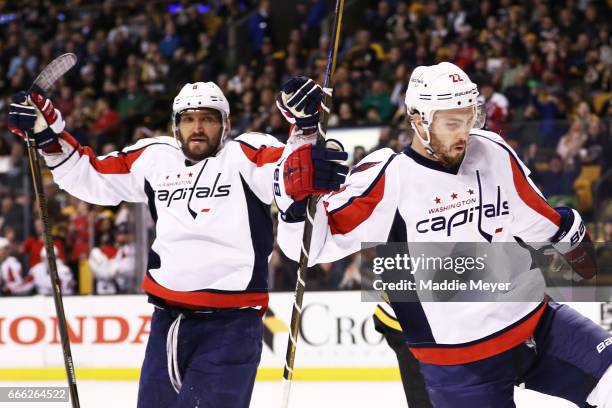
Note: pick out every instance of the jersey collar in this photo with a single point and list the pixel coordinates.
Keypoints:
(424, 161)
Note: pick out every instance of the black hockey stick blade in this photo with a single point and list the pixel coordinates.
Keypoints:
(52, 72)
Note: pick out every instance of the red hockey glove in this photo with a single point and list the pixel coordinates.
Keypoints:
(49, 124)
(312, 170)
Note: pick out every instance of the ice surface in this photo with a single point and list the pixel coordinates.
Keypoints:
(117, 394)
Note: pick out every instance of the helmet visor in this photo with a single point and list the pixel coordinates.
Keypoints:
(480, 116)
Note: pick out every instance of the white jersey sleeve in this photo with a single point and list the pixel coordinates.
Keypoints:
(104, 180)
(362, 211)
(257, 156)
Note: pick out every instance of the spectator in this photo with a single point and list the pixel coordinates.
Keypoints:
(557, 181)
(364, 56)
(12, 217)
(549, 111)
(33, 244)
(345, 116)
(378, 20)
(133, 106)
(359, 152)
(496, 105)
(379, 99)
(170, 41)
(571, 143)
(107, 124)
(518, 95)
(260, 25)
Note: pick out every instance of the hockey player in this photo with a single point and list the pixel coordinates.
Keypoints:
(11, 277)
(207, 271)
(39, 275)
(471, 354)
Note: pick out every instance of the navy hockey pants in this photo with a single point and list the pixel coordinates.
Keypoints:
(564, 362)
(217, 354)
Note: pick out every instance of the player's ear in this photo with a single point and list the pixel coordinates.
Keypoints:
(417, 121)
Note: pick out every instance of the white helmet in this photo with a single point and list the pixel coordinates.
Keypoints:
(197, 96)
(440, 87)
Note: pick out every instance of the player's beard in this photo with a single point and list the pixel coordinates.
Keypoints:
(205, 146)
(450, 157)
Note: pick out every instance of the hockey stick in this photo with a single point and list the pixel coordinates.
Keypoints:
(43, 82)
(296, 314)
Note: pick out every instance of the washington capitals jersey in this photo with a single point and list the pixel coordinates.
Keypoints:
(405, 197)
(212, 218)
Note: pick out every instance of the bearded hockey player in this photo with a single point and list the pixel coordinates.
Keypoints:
(471, 354)
(207, 271)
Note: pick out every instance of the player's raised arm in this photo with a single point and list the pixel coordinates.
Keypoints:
(342, 220)
(104, 180)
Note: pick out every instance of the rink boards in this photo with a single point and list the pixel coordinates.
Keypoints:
(337, 340)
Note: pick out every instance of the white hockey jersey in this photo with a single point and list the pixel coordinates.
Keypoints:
(213, 223)
(406, 197)
(40, 275)
(113, 269)
(12, 277)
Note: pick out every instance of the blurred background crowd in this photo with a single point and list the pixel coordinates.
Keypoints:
(544, 70)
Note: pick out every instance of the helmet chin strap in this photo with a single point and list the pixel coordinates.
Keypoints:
(426, 142)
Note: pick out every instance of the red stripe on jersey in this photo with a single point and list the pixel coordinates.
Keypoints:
(530, 196)
(120, 164)
(350, 217)
(205, 299)
(11, 277)
(488, 348)
(263, 155)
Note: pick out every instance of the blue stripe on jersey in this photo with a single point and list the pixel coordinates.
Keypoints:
(153, 260)
(260, 224)
(151, 200)
(410, 313)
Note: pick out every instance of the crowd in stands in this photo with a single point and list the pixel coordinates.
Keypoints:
(544, 70)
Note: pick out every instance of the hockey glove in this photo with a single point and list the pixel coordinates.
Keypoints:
(48, 123)
(574, 244)
(21, 116)
(299, 102)
(312, 170)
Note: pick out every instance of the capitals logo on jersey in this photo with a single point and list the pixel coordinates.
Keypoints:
(464, 214)
(183, 189)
